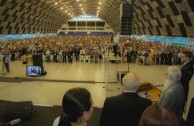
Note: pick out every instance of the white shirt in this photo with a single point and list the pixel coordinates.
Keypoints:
(56, 122)
(116, 39)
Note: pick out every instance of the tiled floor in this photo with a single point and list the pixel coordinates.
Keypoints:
(51, 92)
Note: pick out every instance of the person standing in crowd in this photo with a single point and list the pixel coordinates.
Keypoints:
(126, 108)
(77, 108)
(116, 38)
(158, 115)
(187, 73)
(173, 93)
(48, 54)
(7, 61)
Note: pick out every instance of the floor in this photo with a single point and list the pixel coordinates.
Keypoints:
(99, 78)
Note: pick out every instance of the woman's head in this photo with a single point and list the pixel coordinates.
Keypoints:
(158, 115)
(77, 105)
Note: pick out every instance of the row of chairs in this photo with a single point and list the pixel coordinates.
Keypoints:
(87, 58)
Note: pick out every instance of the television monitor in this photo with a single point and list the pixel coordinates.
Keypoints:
(33, 70)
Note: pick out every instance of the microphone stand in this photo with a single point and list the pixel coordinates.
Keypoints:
(128, 66)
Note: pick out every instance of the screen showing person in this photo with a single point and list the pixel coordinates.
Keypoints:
(33, 70)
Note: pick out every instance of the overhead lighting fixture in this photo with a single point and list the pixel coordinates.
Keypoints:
(98, 11)
(66, 11)
(98, 7)
(100, 2)
(61, 8)
(77, 0)
(56, 3)
(82, 9)
(80, 5)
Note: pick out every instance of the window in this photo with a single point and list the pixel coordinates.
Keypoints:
(81, 23)
(72, 23)
(90, 23)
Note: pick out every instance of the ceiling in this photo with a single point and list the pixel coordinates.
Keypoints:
(151, 17)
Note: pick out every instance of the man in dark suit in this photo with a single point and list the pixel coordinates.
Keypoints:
(186, 73)
(126, 108)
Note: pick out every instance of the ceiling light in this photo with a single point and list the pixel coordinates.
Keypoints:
(56, 3)
(61, 8)
(80, 5)
(66, 11)
(82, 9)
(98, 7)
(77, 0)
(98, 11)
(100, 2)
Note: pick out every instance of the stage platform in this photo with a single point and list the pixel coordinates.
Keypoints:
(45, 116)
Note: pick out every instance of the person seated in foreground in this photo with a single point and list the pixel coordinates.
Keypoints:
(126, 108)
(77, 108)
(158, 115)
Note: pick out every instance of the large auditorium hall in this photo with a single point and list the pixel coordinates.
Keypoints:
(50, 46)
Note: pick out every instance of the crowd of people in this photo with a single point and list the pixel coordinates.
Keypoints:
(68, 49)
(127, 108)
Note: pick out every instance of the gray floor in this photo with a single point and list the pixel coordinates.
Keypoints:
(99, 79)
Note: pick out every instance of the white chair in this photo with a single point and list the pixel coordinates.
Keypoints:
(82, 58)
(43, 57)
(87, 58)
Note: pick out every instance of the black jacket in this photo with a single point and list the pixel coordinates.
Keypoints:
(123, 110)
(186, 75)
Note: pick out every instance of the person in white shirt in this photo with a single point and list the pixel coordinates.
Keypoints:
(116, 38)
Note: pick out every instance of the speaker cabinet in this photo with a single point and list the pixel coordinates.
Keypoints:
(37, 59)
(126, 16)
(13, 110)
(126, 10)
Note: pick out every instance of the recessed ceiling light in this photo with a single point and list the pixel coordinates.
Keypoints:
(61, 8)
(66, 11)
(80, 5)
(77, 0)
(100, 2)
(98, 7)
(82, 9)
(56, 3)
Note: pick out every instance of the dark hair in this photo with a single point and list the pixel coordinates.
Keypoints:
(158, 115)
(188, 54)
(75, 102)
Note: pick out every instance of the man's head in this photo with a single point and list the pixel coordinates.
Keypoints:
(130, 82)
(185, 56)
(173, 74)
